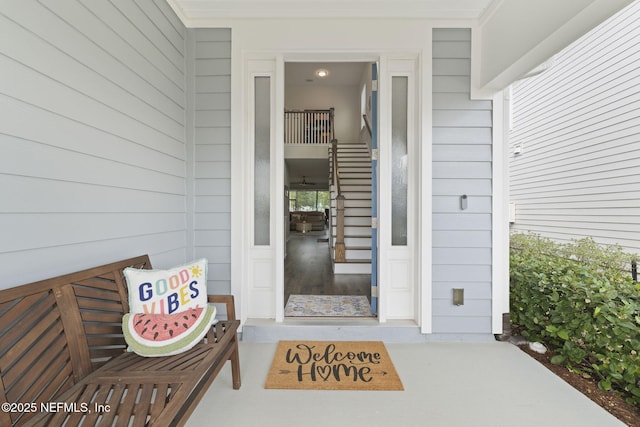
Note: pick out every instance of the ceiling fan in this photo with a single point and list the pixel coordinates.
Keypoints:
(303, 183)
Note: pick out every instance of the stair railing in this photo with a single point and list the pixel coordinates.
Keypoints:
(340, 249)
(368, 126)
(308, 127)
(366, 122)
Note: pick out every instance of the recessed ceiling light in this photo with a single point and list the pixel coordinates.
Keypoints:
(322, 72)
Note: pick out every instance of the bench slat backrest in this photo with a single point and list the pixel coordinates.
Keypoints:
(56, 331)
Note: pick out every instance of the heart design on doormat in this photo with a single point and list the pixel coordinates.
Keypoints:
(324, 372)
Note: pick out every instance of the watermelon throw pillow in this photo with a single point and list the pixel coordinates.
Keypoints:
(167, 291)
(155, 335)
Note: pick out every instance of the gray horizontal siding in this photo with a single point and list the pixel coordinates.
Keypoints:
(212, 223)
(92, 136)
(461, 165)
(579, 126)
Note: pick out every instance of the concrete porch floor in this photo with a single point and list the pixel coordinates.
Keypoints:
(446, 384)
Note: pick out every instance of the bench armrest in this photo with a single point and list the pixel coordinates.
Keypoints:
(228, 301)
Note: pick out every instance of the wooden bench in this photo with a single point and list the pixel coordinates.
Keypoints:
(63, 358)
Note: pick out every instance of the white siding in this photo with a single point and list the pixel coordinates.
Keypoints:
(92, 135)
(461, 165)
(578, 124)
(212, 223)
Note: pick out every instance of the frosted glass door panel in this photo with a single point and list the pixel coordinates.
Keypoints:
(399, 161)
(262, 172)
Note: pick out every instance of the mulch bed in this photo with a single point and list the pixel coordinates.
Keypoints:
(610, 401)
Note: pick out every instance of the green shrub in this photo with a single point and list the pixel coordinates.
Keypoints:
(580, 300)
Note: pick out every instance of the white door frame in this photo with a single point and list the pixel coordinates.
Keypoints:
(262, 278)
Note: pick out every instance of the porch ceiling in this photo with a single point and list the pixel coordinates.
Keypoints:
(438, 9)
(513, 36)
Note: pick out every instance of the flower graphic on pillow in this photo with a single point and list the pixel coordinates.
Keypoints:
(196, 271)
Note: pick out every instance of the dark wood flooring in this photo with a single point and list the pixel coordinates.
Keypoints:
(307, 270)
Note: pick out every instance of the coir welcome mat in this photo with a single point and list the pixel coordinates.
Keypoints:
(332, 365)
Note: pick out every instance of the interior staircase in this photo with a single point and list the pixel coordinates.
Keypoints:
(354, 167)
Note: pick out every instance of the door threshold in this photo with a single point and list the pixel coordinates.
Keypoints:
(331, 320)
(326, 329)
